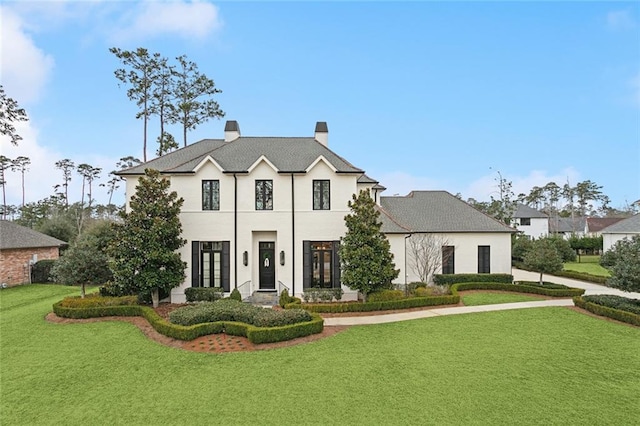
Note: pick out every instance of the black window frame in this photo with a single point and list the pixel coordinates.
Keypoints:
(525, 221)
(197, 250)
(207, 195)
(307, 256)
(262, 195)
(319, 187)
(448, 259)
(484, 259)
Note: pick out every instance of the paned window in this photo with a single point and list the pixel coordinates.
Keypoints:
(525, 221)
(264, 195)
(321, 195)
(210, 195)
(448, 260)
(484, 259)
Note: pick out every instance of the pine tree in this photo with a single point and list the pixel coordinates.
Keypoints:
(365, 252)
(143, 255)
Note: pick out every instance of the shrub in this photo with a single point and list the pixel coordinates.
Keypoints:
(448, 279)
(284, 298)
(235, 295)
(203, 294)
(616, 302)
(41, 271)
(545, 284)
(287, 332)
(315, 294)
(93, 300)
(234, 311)
(606, 311)
(412, 302)
(520, 288)
(384, 295)
(431, 291)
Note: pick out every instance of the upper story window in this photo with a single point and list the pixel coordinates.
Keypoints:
(321, 195)
(526, 221)
(264, 195)
(210, 195)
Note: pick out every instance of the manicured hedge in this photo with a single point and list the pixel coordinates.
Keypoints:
(204, 294)
(519, 288)
(449, 279)
(568, 274)
(384, 295)
(180, 332)
(606, 311)
(615, 302)
(413, 302)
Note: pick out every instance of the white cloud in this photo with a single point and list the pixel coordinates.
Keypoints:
(619, 20)
(187, 19)
(486, 186)
(24, 67)
(42, 174)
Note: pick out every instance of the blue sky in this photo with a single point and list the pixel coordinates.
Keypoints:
(421, 95)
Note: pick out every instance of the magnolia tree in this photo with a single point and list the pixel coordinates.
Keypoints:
(543, 257)
(623, 260)
(365, 252)
(143, 255)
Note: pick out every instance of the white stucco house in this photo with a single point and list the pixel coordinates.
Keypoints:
(625, 228)
(262, 214)
(530, 221)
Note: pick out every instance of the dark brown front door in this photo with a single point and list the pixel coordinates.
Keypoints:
(266, 253)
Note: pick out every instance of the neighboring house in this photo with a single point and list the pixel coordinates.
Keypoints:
(625, 228)
(530, 221)
(567, 226)
(21, 247)
(267, 214)
(594, 225)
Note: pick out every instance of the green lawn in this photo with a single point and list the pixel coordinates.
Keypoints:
(487, 298)
(588, 267)
(531, 366)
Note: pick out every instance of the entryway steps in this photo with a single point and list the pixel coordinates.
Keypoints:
(263, 298)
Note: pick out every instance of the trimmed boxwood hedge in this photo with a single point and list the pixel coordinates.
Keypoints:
(450, 299)
(204, 294)
(582, 276)
(449, 279)
(587, 303)
(254, 334)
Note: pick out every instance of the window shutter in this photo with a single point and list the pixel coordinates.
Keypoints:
(226, 269)
(336, 264)
(195, 263)
(306, 264)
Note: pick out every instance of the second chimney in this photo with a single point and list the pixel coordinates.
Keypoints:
(322, 133)
(231, 131)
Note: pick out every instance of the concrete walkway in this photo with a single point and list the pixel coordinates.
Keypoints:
(518, 275)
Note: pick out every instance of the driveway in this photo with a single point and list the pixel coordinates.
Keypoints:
(590, 288)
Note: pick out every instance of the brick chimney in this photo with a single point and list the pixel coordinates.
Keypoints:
(322, 133)
(231, 131)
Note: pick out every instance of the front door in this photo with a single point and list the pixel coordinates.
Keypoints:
(266, 253)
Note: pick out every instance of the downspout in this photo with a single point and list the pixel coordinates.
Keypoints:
(293, 239)
(405, 262)
(235, 230)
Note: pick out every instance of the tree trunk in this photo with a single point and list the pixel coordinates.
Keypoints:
(155, 297)
(540, 278)
(82, 291)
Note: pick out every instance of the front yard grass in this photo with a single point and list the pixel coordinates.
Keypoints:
(531, 366)
(489, 298)
(587, 267)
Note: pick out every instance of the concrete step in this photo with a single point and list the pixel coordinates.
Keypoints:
(263, 298)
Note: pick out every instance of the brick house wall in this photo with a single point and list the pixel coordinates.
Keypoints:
(14, 263)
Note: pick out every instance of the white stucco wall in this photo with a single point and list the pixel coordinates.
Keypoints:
(539, 227)
(466, 253)
(609, 240)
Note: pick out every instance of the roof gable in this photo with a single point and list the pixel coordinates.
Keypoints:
(630, 225)
(525, 211)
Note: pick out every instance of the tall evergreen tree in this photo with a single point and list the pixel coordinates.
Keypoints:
(21, 164)
(139, 74)
(143, 254)
(365, 252)
(66, 166)
(10, 112)
(192, 93)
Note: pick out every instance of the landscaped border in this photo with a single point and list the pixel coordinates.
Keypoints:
(452, 299)
(254, 334)
(606, 311)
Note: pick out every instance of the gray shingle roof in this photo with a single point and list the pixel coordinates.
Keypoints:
(567, 224)
(366, 179)
(14, 236)
(526, 211)
(289, 154)
(436, 211)
(630, 225)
